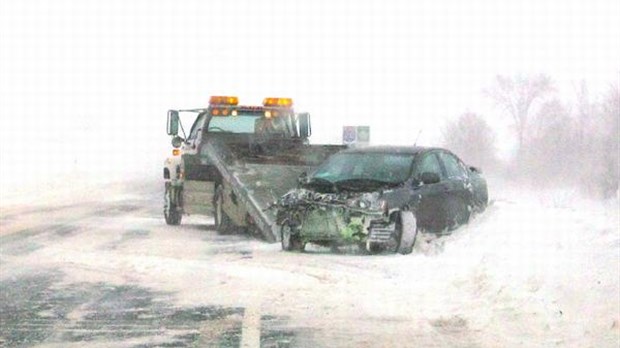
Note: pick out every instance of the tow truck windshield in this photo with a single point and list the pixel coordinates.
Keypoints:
(234, 124)
(252, 124)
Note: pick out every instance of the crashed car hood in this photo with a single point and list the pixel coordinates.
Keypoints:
(363, 200)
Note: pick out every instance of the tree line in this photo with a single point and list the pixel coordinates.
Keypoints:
(557, 142)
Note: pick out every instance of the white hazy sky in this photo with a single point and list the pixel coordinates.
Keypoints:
(85, 85)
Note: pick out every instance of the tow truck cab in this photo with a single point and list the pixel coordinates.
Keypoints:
(193, 182)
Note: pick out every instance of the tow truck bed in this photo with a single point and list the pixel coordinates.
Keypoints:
(259, 173)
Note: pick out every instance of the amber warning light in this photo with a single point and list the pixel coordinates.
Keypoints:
(223, 100)
(282, 102)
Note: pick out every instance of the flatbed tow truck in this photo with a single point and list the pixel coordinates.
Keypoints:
(237, 161)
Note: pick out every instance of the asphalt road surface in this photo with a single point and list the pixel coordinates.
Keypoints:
(102, 269)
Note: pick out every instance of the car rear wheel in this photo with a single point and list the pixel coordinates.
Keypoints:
(407, 227)
(222, 221)
(171, 211)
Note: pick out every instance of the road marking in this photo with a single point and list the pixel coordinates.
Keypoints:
(250, 329)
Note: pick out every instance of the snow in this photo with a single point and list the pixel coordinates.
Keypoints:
(537, 269)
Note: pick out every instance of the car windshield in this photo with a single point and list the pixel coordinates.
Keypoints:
(252, 123)
(390, 168)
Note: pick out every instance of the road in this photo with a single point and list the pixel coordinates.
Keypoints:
(103, 270)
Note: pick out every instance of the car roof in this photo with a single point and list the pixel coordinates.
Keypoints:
(388, 149)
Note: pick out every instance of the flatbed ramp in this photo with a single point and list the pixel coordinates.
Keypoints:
(259, 177)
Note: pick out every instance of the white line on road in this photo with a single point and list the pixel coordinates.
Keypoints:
(250, 329)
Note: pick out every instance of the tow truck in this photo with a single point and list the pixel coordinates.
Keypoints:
(237, 161)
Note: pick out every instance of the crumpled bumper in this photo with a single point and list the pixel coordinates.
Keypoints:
(338, 226)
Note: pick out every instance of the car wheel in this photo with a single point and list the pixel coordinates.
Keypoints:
(222, 221)
(289, 240)
(171, 211)
(406, 225)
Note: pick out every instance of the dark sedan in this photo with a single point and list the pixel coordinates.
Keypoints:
(380, 197)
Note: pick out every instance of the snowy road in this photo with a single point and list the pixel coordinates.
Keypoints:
(103, 270)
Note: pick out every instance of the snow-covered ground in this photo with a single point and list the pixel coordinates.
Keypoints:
(537, 269)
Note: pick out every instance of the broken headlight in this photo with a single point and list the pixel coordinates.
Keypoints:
(368, 202)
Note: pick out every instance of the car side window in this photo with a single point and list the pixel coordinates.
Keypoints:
(454, 167)
(428, 163)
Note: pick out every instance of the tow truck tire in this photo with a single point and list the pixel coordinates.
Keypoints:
(222, 221)
(290, 242)
(171, 211)
(406, 224)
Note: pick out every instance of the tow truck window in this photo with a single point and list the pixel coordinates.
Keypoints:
(233, 124)
(251, 124)
(197, 127)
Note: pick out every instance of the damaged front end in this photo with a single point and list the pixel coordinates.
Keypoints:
(336, 219)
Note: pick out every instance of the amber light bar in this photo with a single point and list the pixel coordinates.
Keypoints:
(223, 100)
(282, 102)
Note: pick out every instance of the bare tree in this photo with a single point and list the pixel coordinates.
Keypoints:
(550, 154)
(517, 96)
(609, 143)
(471, 137)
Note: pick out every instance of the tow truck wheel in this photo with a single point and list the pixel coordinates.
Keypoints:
(407, 226)
(222, 221)
(171, 211)
(290, 241)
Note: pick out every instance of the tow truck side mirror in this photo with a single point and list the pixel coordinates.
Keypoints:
(172, 127)
(304, 125)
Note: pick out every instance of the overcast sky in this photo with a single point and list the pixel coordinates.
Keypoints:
(85, 85)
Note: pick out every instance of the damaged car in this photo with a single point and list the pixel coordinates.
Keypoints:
(379, 198)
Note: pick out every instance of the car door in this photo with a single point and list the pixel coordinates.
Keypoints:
(429, 198)
(458, 190)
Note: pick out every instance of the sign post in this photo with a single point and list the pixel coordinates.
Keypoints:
(356, 136)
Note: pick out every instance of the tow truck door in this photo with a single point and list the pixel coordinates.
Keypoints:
(193, 170)
(198, 188)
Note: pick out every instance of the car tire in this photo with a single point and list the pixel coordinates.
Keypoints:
(406, 225)
(290, 241)
(222, 221)
(171, 211)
